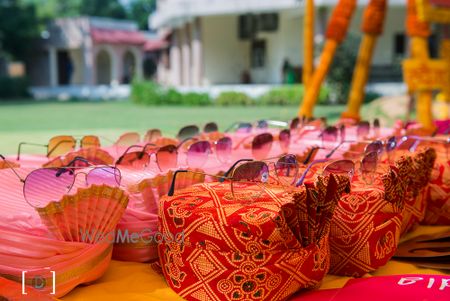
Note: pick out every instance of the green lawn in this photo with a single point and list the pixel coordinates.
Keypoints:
(38, 121)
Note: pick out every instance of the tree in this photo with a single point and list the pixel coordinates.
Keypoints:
(140, 10)
(18, 28)
(341, 70)
(103, 8)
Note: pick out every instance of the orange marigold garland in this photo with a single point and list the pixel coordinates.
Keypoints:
(340, 20)
(373, 19)
(414, 26)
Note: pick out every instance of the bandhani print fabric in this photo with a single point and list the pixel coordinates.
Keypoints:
(265, 243)
(365, 228)
(438, 198)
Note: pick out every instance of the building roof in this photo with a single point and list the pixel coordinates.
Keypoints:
(117, 36)
(173, 13)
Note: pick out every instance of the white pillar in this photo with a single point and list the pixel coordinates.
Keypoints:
(197, 53)
(175, 58)
(88, 55)
(139, 55)
(115, 65)
(186, 55)
(53, 66)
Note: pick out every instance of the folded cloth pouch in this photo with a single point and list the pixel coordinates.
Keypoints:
(262, 242)
(365, 228)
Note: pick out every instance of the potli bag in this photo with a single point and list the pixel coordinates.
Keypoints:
(417, 170)
(438, 200)
(263, 243)
(365, 228)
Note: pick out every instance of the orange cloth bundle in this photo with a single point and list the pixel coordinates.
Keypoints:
(438, 200)
(373, 19)
(414, 26)
(266, 246)
(340, 20)
(417, 171)
(365, 229)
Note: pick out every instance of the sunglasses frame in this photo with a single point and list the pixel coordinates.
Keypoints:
(74, 141)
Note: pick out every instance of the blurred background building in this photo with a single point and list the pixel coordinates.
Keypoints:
(216, 42)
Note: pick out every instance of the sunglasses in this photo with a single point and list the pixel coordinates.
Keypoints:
(191, 131)
(166, 157)
(368, 167)
(55, 182)
(411, 143)
(263, 124)
(253, 172)
(261, 144)
(60, 145)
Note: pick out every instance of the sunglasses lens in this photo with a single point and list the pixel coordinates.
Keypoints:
(294, 123)
(152, 135)
(341, 167)
(261, 146)
(285, 140)
(167, 157)
(376, 146)
(223, 149)
(90, 142)
(330, 134)
(286, 169)
(188, 132)
(104, 176)
(211, 127)
(244, 127)
(128, 139)
(262, 124)
(60, 145)
(198, 153)
(134, 159)
(255, 171)
(363, 129)
(391, 144)
(369, 163)
(47, 184)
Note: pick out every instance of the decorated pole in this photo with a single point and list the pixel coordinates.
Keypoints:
(336, 32)
(445, 55)
(419, 32)
(308, 40)
(372, 27)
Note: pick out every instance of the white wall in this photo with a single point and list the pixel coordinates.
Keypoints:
(225, 56)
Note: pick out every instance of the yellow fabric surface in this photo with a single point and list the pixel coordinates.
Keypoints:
(138, 281)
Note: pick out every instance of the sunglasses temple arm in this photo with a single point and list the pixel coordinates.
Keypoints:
(184, 141)
(19, 149)
(58, 144)
(79, 159)
(172, 185)
(232, 167)
(12, 168)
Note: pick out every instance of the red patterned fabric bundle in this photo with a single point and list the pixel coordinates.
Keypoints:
(438, 199)
(366, 225)
(417, 171)
(265, 243)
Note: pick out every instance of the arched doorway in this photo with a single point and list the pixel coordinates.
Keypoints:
(103, 67)
(129, 67)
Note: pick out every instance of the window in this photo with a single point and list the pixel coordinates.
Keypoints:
(399, 45)
(247, 26)
(258, 53)
(268, 22)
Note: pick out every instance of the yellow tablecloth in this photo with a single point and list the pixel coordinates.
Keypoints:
(138, 281)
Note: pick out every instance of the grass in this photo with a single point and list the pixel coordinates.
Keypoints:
(39, 121)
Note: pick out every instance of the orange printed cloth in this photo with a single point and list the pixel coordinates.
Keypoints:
(438, 198)
(264, 242)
